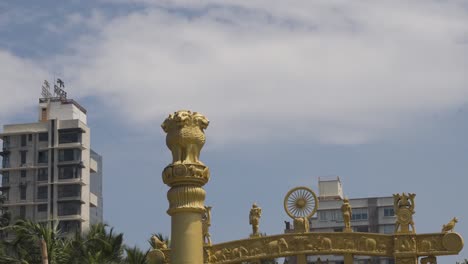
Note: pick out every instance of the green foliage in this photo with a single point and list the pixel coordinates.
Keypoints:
(97, 246)
(101, 245)
(25, 247)
(135, 256)
(463, 262)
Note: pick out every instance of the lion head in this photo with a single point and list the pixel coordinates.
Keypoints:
(177, 119)
(200, 120)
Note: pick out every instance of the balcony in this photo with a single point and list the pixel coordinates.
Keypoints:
(70, 192)
(73, 145)
(93, 166)
(5, 152)
(69, 209)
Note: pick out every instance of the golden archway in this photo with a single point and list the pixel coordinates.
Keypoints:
(186, 176)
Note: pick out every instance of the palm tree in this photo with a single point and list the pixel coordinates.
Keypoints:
(26, 245)
(135, 256)
(98, 246)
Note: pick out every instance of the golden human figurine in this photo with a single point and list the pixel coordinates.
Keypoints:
(254, 219)
(347, 213)
(206, 223)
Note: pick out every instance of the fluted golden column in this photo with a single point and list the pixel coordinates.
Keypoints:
(186, 176)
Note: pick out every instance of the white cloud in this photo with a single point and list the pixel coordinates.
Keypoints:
(338, 72)
(20, 82)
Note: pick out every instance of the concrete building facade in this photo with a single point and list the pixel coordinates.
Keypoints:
(374, 214)
(49, 172)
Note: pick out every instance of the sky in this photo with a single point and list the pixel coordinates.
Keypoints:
(375, 92)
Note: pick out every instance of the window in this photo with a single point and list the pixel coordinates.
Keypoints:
(6, 161)
(23, 174)
(69, 137)
(69, 172)
(389, 211)
(323, 216)
(5, 178)
(43, 156)
(67, 191)
(388, 229)
(6, 194)
(43, 114)
(69, 208)
(359, 214)
(69, 226)
(43, 174)
(41, 208)
(22, 213)
(6, 142)
(69, 154)
(44, 136)
(42, 192)
(330, 215)
(30, 137)
(361, 228)
(23, 140)
(23, 156)
(22, 189)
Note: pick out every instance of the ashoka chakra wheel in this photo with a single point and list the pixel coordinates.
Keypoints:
(404, 216)
(300, 202)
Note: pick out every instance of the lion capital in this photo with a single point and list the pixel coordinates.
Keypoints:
(185, 136)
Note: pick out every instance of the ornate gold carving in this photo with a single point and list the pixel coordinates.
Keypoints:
(347, 212)
(180, 174)
(221, 255)
(404, 209)
(301, 225)
(324, 243)
(426, 246)
(406, 260)
(254, 219)
(239, 252)
(156, 256)
(367, 244)
(405, 243)
(452, 242)
(300, 202)
(428, 260)
(450, 225)
(186, 198)
(185, 135)
(349, 244)
(277, 246)
(158, 243)
(206, 223)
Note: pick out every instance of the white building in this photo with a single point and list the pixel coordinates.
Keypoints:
(49, 172)
(374, 214)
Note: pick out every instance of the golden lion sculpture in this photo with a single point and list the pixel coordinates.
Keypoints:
(185, 135)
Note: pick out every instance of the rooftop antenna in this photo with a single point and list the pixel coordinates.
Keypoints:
(59, 89)
(46, 90)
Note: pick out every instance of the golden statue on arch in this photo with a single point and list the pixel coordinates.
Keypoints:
(254, 219)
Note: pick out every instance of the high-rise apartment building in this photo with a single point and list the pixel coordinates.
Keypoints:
(374, 214)
(49, 172)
